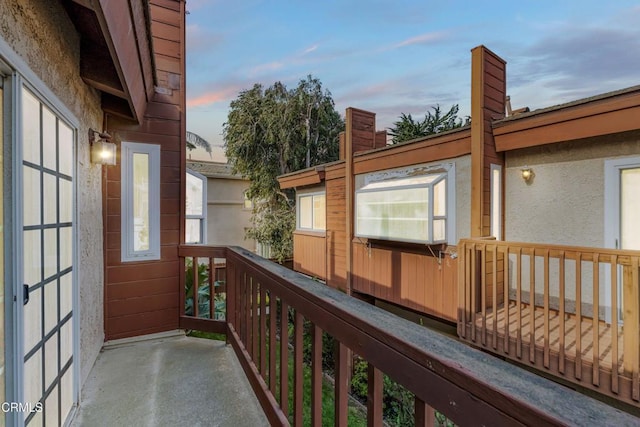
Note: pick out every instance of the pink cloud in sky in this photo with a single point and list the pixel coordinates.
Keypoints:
(207, 98)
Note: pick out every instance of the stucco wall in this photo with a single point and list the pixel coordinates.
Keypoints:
(563, 204)
(227, 217)
(42, 34)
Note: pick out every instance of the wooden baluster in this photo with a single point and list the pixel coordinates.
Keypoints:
(254, 321)
(212, 290)
(341, 385)
(614, 324)
(483, 292)
(519, 302)
(561, 314)
(596, 320)
(263, 331)
(506, 287)
(578, 362)
(474, 290)
(462, 290)
(316, 376)
(248, 339)
(494, 296)
(546, 309)
(273, 314)
(631, 319)
(196, 285)
(284, 358)
(425, 415)
(298, 369)
(375, 385)
(532, 305)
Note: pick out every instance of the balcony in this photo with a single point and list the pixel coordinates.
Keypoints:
(276, 322)
(570, 312)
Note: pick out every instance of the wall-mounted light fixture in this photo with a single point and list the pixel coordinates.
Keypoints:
(103, 151)
(527, 174)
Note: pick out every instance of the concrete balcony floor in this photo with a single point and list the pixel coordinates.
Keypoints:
(174, 381)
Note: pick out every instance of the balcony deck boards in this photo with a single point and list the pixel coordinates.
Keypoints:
(171, 381)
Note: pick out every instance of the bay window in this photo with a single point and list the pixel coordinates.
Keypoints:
(405, 209)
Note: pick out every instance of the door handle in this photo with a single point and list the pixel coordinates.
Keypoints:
(25, 294)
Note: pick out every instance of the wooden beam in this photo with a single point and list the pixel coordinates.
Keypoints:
(477, 139)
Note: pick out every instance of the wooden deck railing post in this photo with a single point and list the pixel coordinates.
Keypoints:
(374, 396)
(631, 318)
(341, 385)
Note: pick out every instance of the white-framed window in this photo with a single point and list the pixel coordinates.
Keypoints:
(140, 181)
(196, 208)
(247, 203)
(311, 209)
(496, 201)
(414, 208)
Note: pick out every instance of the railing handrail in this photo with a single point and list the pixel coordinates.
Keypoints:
(442, 372)
(525, 397)
(557, 251)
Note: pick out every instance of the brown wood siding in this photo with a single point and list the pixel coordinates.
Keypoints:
(442, 147)
(363, 130)
(302, 178)
(601, 117)
(412, 280)
(336, 233)
(488, 94)
(310, 254)
(142, 297)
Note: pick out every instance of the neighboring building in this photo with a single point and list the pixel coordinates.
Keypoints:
(228, 209)
(95, 246)
(427, 226)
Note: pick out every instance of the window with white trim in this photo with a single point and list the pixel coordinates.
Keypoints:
(140, 181)
(196, 208)
(312, 212)
(410, 208)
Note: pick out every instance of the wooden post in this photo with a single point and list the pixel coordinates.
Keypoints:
(374, 396)
(631, 316)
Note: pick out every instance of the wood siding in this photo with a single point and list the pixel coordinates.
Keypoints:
(336, 232)
(417, 281)
(143, 297)
(601, 116)
(309, 254)
(488, 93)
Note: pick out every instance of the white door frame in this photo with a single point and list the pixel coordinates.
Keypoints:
(612, 169)
(23, 76)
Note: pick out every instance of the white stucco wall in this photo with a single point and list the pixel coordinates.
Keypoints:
(41, 33)
(564, 205)
(227, 218)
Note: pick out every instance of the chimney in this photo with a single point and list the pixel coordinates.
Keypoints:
(488, 102)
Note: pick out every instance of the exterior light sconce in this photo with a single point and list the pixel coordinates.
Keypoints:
(527, 174)
(103, 152)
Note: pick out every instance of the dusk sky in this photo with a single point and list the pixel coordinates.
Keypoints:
(404, 56)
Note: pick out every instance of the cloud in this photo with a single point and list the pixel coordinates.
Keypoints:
(578, 62)
(224, 94)
(270, 66)
(422, 39)
(310, 49)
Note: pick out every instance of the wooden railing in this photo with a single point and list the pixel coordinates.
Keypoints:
(570, 311)
(276, 320)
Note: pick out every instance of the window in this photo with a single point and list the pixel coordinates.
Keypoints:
(196, 209)
(406, 209)
(140, 201)
(312, 212)
(496, 201)
(247, 203)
